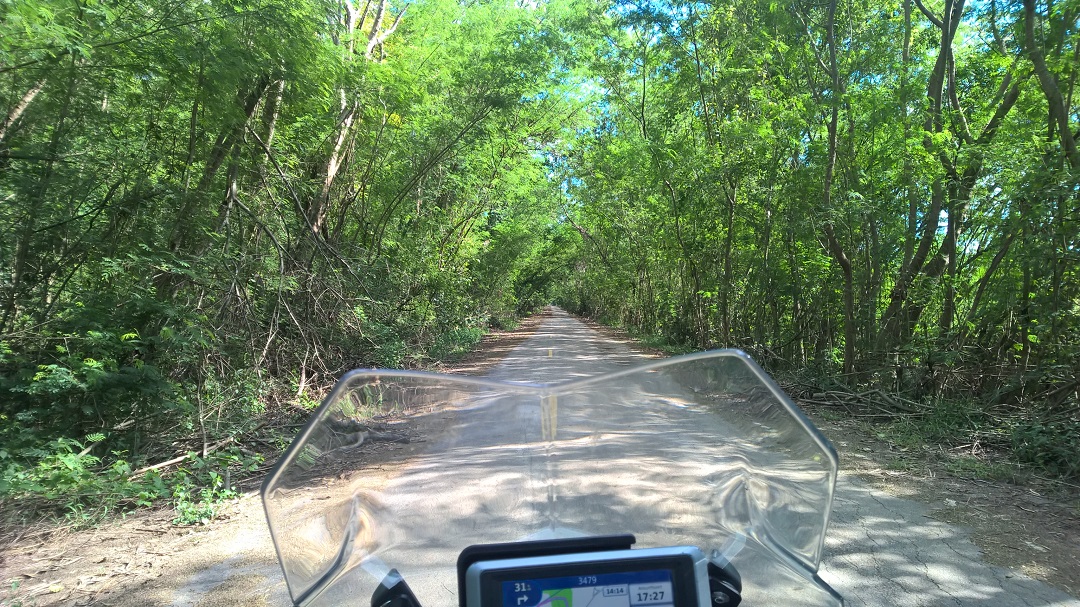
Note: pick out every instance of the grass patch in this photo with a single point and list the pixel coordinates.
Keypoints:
(902, 434)
(949, 426)
(946, 423)
(995, 447)
(831, 414)
(902, 464)
(1050, 444)
(970, 466)
(659, 342)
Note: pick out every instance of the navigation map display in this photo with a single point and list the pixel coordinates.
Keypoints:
(650, 588)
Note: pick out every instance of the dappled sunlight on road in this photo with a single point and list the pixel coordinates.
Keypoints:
(885, 550)
(563, 348)
(682, 457)
(699, 453)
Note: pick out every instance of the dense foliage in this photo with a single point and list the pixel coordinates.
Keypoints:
(210, 207)
(880, 192)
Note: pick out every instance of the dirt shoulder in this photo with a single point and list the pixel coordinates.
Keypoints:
(1032, 527)
(493, 348)
(142, 558)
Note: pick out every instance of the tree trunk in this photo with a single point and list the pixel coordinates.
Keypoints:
(835, 249)
(1056, 104)
(726, 287)
(948, 251)
(901, 315)
(911, 184)
(30, 220)
(320, 205)
(19, 108)
(223, 148)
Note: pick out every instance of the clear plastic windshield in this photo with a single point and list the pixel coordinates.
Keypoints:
(403, 470)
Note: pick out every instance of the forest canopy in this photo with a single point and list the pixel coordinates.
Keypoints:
(210, 209)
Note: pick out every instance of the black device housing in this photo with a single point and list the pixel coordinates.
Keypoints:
(394, 592)
(514, 550)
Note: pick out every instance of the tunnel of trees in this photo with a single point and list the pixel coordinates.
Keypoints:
(211, 208)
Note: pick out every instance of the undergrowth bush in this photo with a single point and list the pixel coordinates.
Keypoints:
(1053, 445)
(202, 485)
(64, 479)
(198, 504)
(62, 470)
(455, 343)
(1035, 440)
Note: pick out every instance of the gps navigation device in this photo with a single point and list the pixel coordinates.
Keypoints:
(674, 576)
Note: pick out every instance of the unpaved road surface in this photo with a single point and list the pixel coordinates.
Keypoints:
(882, 550)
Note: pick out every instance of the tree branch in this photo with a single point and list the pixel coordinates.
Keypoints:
(929, 15)
(1050, 88)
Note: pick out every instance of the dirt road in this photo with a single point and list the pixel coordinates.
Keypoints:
(882, 550)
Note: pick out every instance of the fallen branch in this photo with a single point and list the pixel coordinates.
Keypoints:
(165, 464)
(870, 400)
(176, 460)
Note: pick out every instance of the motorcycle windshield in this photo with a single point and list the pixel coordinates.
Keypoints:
(403, 470)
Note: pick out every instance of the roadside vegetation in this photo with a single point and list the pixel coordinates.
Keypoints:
(877, 201)
(209, 210)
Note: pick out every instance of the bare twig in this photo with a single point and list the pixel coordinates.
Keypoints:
(176, 460)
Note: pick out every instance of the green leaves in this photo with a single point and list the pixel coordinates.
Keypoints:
(205, 202)
(54, 379)
(697, 197)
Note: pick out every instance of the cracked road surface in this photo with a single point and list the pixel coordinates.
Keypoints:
(884, 550)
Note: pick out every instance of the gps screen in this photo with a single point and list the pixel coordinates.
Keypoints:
(651, 588)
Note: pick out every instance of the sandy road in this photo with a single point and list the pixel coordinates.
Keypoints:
(881, 550)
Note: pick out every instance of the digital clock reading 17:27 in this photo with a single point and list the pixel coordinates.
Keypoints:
(656, 596)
